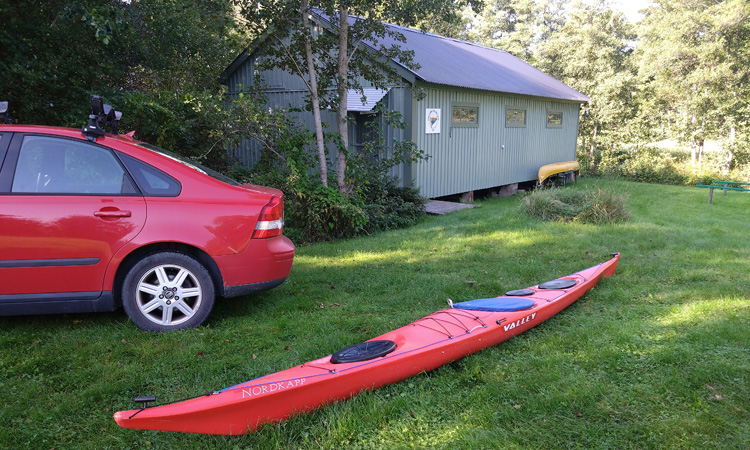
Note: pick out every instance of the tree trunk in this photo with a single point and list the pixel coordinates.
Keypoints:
(593, 147)
(693, 152)
(343, 73)
(703, 143)
(693, 148)
(314, 95)
(730, 152)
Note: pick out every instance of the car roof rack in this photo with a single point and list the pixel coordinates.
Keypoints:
(102, 116)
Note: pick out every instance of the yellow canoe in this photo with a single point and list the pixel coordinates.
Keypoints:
(553, 169)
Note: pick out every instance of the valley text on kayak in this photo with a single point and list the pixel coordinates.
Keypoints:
(518, 322)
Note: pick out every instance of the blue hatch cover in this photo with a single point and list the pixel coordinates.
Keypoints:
(497, 304)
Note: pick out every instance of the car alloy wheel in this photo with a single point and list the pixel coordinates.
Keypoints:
(168, 291)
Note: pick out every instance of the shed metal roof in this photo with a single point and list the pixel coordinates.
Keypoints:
(459, 63)
(371, 96)
(454, 62)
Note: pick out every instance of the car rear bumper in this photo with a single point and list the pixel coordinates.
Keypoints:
(265, 264)
(236, 291)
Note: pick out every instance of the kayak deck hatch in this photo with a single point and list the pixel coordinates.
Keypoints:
(560, 283)
(364, 351)
(519, 292)
(498, 304)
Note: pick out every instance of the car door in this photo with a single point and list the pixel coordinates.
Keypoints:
(66, 206)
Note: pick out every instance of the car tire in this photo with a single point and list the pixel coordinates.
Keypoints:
(167, 291)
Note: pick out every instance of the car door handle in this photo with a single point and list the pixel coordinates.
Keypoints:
(114, 213)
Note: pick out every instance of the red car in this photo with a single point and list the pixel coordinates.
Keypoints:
(92, 221)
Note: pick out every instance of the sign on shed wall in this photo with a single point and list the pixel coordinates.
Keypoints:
(432, 124)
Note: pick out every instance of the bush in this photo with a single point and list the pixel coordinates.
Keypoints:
(314, 212)
(585, 206)
(187, 124)
(644, 165)
(389, 206)
(653, 165)
(322, 213)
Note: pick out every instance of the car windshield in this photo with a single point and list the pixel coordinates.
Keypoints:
(190, 163)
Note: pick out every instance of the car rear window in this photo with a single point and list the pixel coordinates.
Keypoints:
(151, 180)
(190, 163)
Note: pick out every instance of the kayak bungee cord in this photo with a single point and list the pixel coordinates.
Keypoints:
(441, 321)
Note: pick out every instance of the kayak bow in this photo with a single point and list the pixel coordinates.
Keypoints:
(425, 344)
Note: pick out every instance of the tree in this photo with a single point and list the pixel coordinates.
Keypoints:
(178, 45)
(510, 25)
(55, 53)
(331, 45)
(695, 57)
(516, 26)
(591, 53)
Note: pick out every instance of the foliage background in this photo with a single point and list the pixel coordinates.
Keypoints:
(670, 94)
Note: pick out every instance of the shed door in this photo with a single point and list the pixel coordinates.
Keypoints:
(362, 130)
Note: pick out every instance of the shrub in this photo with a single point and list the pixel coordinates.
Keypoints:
(653, 165)
(314, 212)
(323, 213)
(644, 165)
(389, 206)
(184, 123)
(586, 206)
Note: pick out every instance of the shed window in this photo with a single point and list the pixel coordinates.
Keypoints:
(554, 119)
(465, 115)
(515, 118)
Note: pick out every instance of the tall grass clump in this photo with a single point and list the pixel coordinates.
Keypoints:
(595, 207)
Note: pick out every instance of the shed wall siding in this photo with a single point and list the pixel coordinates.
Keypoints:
(466, 159)
(284, 91)
(460, 159)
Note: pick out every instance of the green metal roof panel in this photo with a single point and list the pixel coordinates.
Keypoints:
(458, 63)
(454, 62)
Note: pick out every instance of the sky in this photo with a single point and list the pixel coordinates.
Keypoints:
(630, 8)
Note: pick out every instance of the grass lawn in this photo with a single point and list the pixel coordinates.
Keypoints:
(657, 356)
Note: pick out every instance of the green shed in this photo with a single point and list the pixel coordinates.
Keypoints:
(486, 119)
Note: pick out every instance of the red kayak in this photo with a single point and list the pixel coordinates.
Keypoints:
(425, 344)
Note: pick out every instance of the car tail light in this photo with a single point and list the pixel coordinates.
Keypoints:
(271, 220)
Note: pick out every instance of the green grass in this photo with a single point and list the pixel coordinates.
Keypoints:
(657, 356)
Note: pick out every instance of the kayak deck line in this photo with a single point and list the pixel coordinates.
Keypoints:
(150, 399)
(441, 337)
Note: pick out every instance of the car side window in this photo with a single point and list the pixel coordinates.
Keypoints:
(53, 165)
(151, 180)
